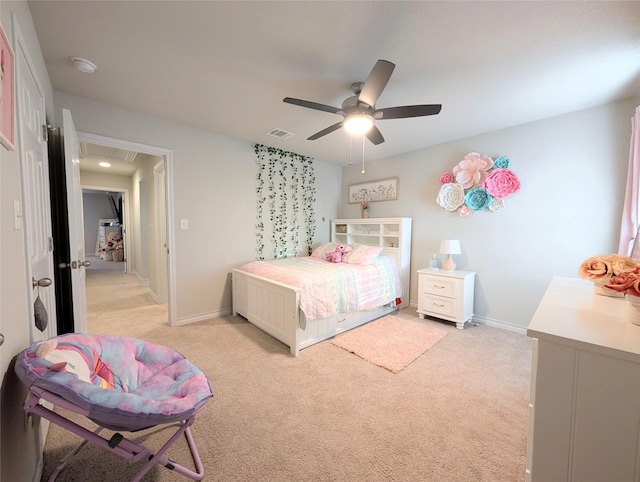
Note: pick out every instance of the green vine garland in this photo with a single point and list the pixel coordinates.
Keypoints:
(284, 181)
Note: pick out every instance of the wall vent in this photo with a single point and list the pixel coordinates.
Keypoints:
(280, 134)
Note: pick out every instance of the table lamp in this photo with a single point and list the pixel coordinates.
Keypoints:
(449, 247)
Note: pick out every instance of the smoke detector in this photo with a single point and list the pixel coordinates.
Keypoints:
(83, 65)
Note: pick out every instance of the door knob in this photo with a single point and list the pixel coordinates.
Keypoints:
(1, 339)
(42, 282)
(86, 264)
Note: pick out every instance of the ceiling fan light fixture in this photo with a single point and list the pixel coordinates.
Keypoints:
(358, 124)
(104, 164)
(84, 65)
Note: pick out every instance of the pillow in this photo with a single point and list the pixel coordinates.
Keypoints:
(361, 254)
(323, 249)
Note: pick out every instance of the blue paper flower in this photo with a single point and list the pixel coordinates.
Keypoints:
(478, 199)
(501, 162)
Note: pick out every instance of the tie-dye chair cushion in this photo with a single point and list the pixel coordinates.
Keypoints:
(122, 383)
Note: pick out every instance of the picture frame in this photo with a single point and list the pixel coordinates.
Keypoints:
(382, 190)
(7, 93)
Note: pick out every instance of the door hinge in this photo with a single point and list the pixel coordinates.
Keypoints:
(45, 133)
(50, 243)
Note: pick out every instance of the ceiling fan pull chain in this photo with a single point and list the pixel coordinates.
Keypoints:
(362, 172)
(350, 151)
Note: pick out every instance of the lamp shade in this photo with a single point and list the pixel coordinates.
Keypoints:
(450, 246)
(358, 123)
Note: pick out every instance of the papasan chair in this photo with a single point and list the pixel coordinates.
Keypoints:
(121, 384)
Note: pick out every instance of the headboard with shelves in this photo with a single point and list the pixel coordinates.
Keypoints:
(392, 234)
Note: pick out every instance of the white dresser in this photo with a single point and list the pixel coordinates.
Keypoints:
(447, 295)
(584, 412)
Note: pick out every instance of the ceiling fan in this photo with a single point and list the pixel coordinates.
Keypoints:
(359, 111)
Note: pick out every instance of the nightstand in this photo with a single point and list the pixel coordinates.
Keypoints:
(447, 295)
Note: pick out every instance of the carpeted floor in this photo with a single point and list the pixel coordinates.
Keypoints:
(457, 413)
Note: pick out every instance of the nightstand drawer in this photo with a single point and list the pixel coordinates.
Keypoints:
(437, 305)
(440, 286)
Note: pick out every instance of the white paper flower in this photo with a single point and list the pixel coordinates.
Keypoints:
(496, 205)
(451, 196)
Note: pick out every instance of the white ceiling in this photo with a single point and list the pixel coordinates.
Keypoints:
(121, 162)
(224, 67)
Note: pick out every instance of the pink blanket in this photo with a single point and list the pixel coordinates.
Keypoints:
(327, 289)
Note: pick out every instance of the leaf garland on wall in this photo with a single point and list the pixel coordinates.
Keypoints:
(476, 183)
(286, 184)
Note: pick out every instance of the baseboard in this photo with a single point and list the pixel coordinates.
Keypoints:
(500, 324)
(505, 325)
(202, 317)
(38, 469)
(154, 296)
(140, 278)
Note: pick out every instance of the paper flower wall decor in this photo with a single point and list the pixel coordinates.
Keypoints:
(477, 182)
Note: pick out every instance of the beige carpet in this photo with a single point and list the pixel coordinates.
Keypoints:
(458, 413)
(390, 342)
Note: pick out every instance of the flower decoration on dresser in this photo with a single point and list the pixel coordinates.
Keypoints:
(602, 269)
(627, 282)
(477, 182)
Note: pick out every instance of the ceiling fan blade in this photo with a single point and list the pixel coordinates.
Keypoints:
(407, 111)
(375, 136)
(326, 131)
(376, 82)
(311, 105)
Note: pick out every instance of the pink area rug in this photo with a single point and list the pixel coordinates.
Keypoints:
(390, 342)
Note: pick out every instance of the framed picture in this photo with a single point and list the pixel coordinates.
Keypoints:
(7, 98)
(384, 190)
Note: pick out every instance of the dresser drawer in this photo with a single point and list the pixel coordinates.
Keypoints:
(440, 286)
(438, 305)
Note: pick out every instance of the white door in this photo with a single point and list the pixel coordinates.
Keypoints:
(36, 212)
(34, 170)
(161, 231)
(78, 263)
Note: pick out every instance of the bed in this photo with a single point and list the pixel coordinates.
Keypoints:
(297, 301)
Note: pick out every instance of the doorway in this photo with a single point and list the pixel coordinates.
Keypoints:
(145, 225)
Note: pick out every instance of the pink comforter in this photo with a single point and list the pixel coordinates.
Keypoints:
(327, 289)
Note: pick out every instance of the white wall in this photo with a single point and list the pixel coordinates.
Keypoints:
(18, 453)
(96, 206)
(214, 180)
(573, 173)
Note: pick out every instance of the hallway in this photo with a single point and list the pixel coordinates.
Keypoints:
(119, 303)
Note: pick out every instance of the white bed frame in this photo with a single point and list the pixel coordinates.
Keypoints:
(275, 307)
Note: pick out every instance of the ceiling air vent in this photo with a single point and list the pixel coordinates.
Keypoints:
(280, 134)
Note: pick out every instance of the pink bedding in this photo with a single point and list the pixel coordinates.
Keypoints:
(327, 289)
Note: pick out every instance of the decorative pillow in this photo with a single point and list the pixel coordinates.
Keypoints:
(361, 254)
(322, 250)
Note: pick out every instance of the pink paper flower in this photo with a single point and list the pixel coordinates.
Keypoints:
(472, 170)
(501, 183)
(464, 211)
(446, 178)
